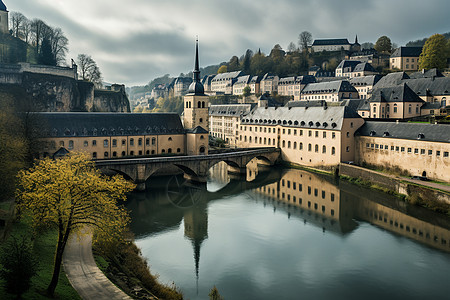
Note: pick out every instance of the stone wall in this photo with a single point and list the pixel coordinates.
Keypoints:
(106, 101)
(394, 184)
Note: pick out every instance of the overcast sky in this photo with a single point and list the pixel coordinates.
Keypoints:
(134, 41)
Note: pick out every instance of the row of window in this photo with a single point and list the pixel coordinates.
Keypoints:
(407, 228)
(407, 149)
(293, 131)
(106, 143)
(300, 189)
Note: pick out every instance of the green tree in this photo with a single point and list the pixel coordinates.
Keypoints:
(222, 69)
(19, 265)
(233, 64)
(246, 91)
(383, 45)
(70, 194)
(46, 56)
(434, 53)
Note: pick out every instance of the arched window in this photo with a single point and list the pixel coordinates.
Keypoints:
(163, 151)
(169, 150)
(295, 145)
(114, 143)
(187, 106)
(250, 139)
(203, 104)
(201, 120)
(300, 146)
(202, 150)
(333, 151)
(147, 142)
(131, 153)
(61, 143)
(131, 142)
(153, 141)
(245, 138)
(169, 139)
(94, 155)
(284, 144)
(140, 142)
(106, 154)
(140, 152)
(199, 104)
(178, 150)
(105, 143)
(85, 143)
(70, 144)
(147, 152)
(289, 144)
(202, 137)
(260, 140)
(316, 148)
(324, 149)
(123, 153)
(114, 154)
(309, 147)
(153, 152)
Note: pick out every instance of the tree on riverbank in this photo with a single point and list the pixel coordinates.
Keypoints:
(70, 194)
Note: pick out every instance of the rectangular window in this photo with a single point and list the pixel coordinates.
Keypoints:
(386, 147)
(300, 187)
(301, 132)
(446, 154)
(367, 145)
(409, 150)
(324, 135)
(397, 148)
(295, 131)
(309, 133)
(333, 135)
(438, 153)
(430, 152)
(416, 151)
(376, 146)
(332, 197)
(422, 151)
(403, 149)
(317, 133)
(289, 132)
(392, 148)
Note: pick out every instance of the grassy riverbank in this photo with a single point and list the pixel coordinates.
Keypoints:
(127, 269)
(44, 244)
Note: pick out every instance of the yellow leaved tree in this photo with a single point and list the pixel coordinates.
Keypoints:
(70, 194)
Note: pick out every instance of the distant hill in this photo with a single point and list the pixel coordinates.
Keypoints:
(421, 43)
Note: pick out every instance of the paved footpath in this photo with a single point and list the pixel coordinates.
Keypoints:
(84, 275)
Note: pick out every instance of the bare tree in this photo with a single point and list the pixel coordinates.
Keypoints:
(305, 40)
(292, 47)
(59, 43)
(39, 31)
(26, 30)
(17, 19)
(88, 69)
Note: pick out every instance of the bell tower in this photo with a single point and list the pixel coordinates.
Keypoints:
(4, 27)
(196, 103)
(196, 114)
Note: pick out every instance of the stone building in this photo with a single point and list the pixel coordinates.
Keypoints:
(255, 84)
(181, 86)
(240, 84)
(224, 82)
(405, 58)
(269, 83)
(4, 25)
(224, 121)
(114, 135)
(319, 137)
(331, 45)
(364, 84)
(354, 68)
(333, 91)
(419, 149)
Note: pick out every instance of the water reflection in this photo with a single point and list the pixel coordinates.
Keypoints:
(333, 206)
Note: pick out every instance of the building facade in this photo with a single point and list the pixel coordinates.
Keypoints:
(418, 149)
(224, 82)
(405, 58)
(311, 136)
(224, 121)
(4, 25)
(333, 91)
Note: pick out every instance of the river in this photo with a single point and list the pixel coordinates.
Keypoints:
(289, 234)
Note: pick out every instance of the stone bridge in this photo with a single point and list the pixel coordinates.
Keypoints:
(195, 167)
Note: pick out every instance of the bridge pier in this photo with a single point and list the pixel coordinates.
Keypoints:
(140, 186)
(195, 178)
(237, 170)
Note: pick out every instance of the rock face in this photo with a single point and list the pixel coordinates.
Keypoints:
(57, 93)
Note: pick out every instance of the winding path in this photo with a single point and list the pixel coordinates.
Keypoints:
(84, 275)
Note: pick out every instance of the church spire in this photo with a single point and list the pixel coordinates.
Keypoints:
(196, 86)
(356, 39)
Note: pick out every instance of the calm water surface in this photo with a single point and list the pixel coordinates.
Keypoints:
(289, 234)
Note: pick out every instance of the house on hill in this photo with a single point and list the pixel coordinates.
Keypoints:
(335, 45)
(405, 58)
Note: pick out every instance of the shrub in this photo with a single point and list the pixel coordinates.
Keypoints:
(19, 265)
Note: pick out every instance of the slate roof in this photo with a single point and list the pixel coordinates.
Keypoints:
(329, 87)
(370, 80)
(402, 93)
(327, 42)
(310, 103)
(429, 105)
(268, 76)
(392, 79)
(243, 79)
(232, 110)
(286, 80)
(348, 64)
(426, 74)
(305, 79)
(185, 80)
(407, 131)
(227, 76)
(62, 124)
(433, 86)
(2, 6)
(256, 79)
(197, 130)
(407, 52)
(330, 118)
(364, 66)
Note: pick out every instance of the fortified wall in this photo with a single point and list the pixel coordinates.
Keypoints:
(56, 89)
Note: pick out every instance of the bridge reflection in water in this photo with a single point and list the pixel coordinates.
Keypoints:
(334, 206)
